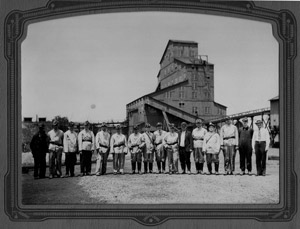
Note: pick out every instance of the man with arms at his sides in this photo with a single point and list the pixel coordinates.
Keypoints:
(260, 145)
(159, 134)
(70, 149)
(39, 149)
(135, 145)
(148, 153)
(229, 144)
(245, 147)
(103, 147)
(55, 150)
(185, 142)
(198, 136)
(118, 146)
(86, 141)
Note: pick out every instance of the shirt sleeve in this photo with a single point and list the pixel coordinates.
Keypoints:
(221, 136)
(93, 141)
(97, 140)
(80, 141)
(253, 140)
(267, 139)
(65, 143)
(218, 144)
(236, 136)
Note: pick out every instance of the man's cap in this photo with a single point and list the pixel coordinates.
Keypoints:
(183, 124)
(258, 122)
(159, 124)
(245, 119)
(135, 127)
(211, 124)
(147, 125)
(171, 125)
(227, 118)
(71, 124)
(103, 124)
(55, 123)
(86, 123)
(198, 121)
(118, 127)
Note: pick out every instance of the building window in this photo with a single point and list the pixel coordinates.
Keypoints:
(181, 95)
(194, 95)
(194, 110)
(194, 86)
(207, 110)
(181, 105)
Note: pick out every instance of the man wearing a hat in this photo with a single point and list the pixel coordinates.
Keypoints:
(260, 145)
(148, 147)
(70, 149)
(185, 142)
(211, 146)
(158, 136)
(245, 147)
(86, 141)
(198, 136)
(118, 146)
(229, 144)
(55, 150)
(135, 145)
(171, 146)
(39, 149)
(103, 146)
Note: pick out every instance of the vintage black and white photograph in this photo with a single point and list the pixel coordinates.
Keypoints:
(150, 108)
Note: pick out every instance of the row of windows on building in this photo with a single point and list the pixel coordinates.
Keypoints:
(170, 94)
(181, 52)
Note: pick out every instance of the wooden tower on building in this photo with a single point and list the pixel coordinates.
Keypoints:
(185, 89)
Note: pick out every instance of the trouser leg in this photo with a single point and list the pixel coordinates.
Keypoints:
(52, 156)
(226, 152)
(209, 167)
(36, 166)
(58, 162)
(170, 159)
(258, 159)
(122, 161)
(81, 163)
(263, 158)
(98, 163)
(42, 166)
(182, 158)
(175, 158)
(72, 163)
(104, 162)
(242, 150)
(217, 167)
(67, 163)
(249, 159)
(188, 160)
(114, 162)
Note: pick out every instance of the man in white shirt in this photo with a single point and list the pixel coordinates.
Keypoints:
(198, 136)
(118, 144)
(102, 146)
(158, 136)
(135, 145)
(70, 149)
(86, 141)
(260, 145)
(148, 153)
(229, 136)
(55, 150)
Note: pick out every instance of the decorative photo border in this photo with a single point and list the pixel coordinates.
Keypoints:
(284, 30)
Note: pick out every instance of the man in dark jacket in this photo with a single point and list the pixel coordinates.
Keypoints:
(185, 142)
(39, 148)
(245, 147)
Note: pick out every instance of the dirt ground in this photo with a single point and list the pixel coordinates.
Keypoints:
(157, 188)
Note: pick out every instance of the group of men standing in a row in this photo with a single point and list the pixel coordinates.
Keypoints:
(170, 147)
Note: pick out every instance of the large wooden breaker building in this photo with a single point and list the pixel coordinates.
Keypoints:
(185, 90)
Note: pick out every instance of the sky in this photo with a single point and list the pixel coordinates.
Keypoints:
(89, 67)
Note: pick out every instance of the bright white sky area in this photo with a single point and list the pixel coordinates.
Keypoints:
(109, 60)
